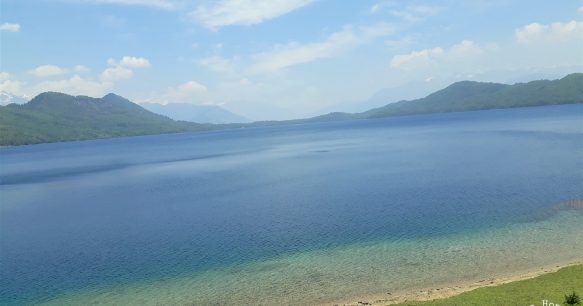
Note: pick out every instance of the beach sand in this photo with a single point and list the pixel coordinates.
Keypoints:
(449, 289)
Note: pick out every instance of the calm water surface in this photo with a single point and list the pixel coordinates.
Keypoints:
(142, 210)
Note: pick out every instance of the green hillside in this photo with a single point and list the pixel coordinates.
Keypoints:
(51, 117)
(467, 96)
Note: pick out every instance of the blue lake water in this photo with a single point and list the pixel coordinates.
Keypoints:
(106, 213)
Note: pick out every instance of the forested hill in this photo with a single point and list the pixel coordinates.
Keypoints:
(52, 116)
(468, 95)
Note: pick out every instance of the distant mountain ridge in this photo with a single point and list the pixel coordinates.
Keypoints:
(52, 116)
(470, 95)
(195, 113)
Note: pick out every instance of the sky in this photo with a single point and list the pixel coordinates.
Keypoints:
(281, 59)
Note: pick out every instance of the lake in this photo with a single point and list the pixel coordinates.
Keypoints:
(295, 214)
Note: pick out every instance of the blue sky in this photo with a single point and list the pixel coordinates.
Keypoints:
(281, 59)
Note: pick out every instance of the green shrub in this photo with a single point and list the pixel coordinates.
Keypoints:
(572, 299)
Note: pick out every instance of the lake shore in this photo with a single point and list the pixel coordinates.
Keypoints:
(410, 270)
(446, 290)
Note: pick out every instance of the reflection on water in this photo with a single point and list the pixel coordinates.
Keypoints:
(145, 209)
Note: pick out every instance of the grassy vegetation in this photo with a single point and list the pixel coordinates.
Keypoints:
(552, 287)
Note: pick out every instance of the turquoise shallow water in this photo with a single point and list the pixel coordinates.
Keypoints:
(290, 214)
(357, 272)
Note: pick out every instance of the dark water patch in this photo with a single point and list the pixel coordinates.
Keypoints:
(39, 176)
(53, 174)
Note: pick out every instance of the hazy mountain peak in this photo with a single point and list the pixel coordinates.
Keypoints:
(50, 99)
(51, 94)
(473, 85)
(112, 96)
(195, 113)
(116, 99)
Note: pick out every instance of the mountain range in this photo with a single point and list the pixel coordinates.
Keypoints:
(195, 113)
(468, 95)
(52, 116)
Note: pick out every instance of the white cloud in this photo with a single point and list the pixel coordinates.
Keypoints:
(80, 69)
(283, 56)
(188, 92)
(48, 70)
(538, 49)
(8, 84)
(134, 62)
(407, 13)
(164, 4)
(120, 70)
(244, 12)
(415, 13)
(53, 70)
(465, 48)
(217, 64)
(375, 8)
(130, 61)
(415, 57)
(9, 98)
(192, 87)
(426, 57)
(116, 73)
(11, 86)
(381, 6)
(4, 76)
(550, 33)
(75, 85)
(10, 27)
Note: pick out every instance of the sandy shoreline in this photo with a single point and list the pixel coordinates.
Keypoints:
(446, 290)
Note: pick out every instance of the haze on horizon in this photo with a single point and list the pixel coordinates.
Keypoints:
(281, 59)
